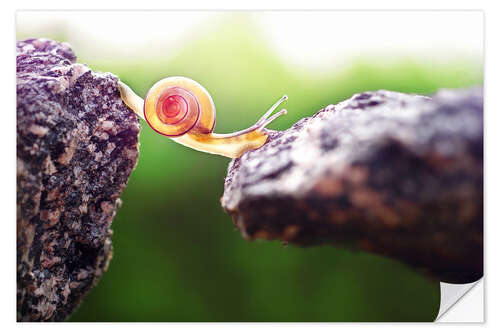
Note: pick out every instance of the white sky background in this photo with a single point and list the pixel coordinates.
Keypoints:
(311, 39)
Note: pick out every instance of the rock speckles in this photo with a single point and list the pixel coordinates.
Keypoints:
(77, 144)
(395, 174)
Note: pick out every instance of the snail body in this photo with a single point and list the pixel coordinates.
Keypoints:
(180, 108)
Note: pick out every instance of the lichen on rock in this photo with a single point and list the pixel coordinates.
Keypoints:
(395, 174)
(77, 144)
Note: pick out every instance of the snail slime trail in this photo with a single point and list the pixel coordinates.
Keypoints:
(183, 110)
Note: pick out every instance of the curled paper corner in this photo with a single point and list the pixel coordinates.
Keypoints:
(451, 295)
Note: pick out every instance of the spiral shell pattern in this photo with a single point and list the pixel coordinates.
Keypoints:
(177, 105)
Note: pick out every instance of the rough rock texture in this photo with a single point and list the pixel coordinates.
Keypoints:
(77, 144)
(391, 173)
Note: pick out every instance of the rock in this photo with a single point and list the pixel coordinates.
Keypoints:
(390, 173)
(77, 144)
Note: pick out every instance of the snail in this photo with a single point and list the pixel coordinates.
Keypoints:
(181, 109)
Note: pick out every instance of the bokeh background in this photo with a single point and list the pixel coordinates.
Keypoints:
(177, 255)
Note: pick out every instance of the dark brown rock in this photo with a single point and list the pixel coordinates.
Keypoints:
(77, 144)
(390, 173)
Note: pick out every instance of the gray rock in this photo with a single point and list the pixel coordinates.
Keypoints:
(390, 173)
(77, 144)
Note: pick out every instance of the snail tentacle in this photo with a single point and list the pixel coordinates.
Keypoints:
(272, 118)
(262, 122)
(271, 110)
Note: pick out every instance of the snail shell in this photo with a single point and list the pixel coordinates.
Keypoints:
(177, 105)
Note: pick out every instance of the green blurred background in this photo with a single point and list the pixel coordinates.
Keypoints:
(177, 255)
